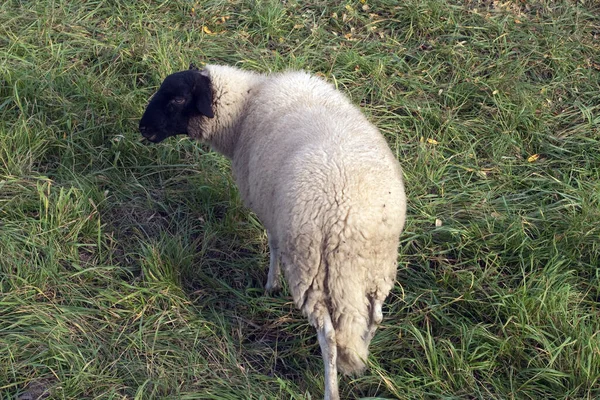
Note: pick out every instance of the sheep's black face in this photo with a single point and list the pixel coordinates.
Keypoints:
(182, 95)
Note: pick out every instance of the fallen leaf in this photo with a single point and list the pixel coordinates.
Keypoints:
(533, 158)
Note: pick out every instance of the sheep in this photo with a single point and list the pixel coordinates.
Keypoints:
(321, 179)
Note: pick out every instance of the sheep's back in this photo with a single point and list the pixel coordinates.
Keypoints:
(296, 123)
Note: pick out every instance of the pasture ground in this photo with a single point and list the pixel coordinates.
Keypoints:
(134, 272)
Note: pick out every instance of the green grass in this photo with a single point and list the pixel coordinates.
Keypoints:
(134, 272)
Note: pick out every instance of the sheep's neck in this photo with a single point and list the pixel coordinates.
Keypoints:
(232, 89)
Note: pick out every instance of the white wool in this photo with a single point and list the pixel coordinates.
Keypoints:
(329, 191)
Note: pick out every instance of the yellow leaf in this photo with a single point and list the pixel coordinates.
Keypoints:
(349, 8)
(206, 30)
(533, 158)
(432, 141)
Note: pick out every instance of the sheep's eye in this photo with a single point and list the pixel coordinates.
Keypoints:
(178, 100)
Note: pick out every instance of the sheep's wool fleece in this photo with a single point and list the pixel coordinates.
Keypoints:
(325, 184)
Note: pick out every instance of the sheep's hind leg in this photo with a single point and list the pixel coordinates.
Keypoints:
(274, 276)
(326, 336)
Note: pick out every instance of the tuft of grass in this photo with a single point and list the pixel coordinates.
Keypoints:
(132, 271)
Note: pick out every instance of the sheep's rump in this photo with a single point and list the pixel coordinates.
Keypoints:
(342, 252)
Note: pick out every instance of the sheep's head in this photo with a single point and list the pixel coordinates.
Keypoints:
(181, 97)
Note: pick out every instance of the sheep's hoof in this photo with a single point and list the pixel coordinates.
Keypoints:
(272, 289)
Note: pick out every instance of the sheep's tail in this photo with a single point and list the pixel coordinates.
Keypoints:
(352, 348)
(355, 312)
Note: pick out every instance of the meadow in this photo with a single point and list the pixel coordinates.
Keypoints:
(133, 271)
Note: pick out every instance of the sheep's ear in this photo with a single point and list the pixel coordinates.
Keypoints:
(203, 95)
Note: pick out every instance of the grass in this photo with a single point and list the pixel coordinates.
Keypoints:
(134, 272)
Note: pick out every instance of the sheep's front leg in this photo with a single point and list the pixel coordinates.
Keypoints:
(326, 336)
(274, 277)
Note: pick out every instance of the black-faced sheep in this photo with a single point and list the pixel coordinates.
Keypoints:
(322, 180)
